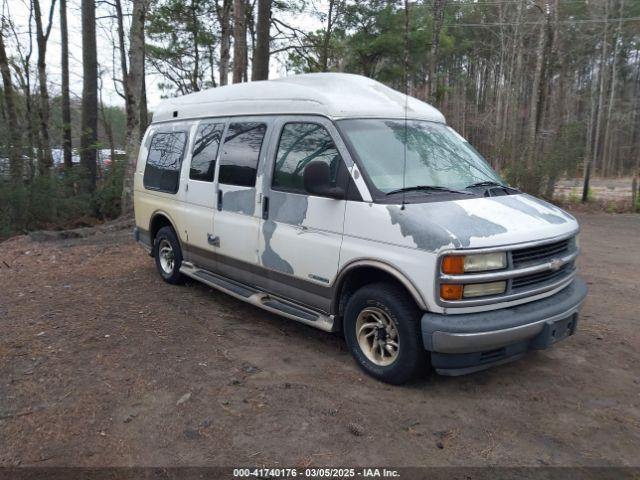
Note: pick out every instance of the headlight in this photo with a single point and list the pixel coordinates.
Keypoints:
(459, 264)
(480, 289)
(480, 262)
(451, 291)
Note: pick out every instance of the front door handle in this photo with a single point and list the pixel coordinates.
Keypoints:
(219, 200)
(265, 208)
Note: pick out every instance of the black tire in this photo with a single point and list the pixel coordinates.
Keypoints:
(411, 358)
(166, 236)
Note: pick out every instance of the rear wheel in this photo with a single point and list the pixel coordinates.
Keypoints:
(382, 330)
(168, 255)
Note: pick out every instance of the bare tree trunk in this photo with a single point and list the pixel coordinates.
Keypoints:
(211, 53)
(533, 104)
(537, 90)
(24, 82)
(324, 54)
(606, 150)
(144, 112)
(134, 90)
(516, 84)
(261, 53)
(589, 142)
(89, 120)
(239, 40)
(595, 145)
(500, 100)
(438, 18)
(251, 31)
(224, 14)
(602, 78)
(42, 36)
(66, 102)
(15, 140)
(106, 123)
(634, 116)
(195, 79)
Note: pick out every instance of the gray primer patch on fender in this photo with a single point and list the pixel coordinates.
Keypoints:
(517, 204)
(240, 201)
(270, 258)
(436, 225)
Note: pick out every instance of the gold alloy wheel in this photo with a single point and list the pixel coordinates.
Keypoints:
(377, 336)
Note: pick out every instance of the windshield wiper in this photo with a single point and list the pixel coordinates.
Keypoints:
(427, 188)
(486, 183)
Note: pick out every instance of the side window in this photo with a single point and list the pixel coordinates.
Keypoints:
(162, 171)
(300, 144)
(205, 151)
(240, 153)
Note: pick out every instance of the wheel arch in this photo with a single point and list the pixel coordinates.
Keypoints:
(362, 272)
(160, 219)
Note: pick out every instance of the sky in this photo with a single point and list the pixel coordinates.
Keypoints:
(18, 12)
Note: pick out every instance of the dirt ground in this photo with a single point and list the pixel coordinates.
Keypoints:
(103, 364)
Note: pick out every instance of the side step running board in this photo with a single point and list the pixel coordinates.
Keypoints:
(222, 283)
(261, 299)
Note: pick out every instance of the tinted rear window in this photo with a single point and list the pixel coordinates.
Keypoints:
(240, 153)
(162, 171)
(205, 151)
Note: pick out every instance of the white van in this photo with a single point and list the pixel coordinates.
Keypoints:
(338, 202)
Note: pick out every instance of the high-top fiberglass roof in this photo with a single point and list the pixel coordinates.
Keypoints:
(335, 95)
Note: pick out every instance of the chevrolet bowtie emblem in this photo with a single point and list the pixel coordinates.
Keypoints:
(555, 264)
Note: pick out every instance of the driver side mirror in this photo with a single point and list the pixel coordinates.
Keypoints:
(317, 181)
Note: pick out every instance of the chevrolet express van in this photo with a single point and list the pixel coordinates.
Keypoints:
(338, 202)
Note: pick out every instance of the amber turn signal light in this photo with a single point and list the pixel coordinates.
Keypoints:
(450, 291)
(453, 264)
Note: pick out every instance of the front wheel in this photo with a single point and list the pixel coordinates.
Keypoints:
(168, 255)
(382, 330)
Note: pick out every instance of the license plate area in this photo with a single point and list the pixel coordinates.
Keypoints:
(555, 331)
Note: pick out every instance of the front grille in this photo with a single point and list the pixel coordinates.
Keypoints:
(539, 278)
(531, 271)
(539, 254)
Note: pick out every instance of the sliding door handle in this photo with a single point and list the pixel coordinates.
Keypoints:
(265, 208)
(213, 241)
(219, 200)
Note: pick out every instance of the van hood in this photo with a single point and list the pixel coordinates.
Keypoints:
(478, 222)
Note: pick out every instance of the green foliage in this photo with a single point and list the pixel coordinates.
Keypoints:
(108, 196)
(573, 196)
(57, 200)
(559, 156)
(181, 44)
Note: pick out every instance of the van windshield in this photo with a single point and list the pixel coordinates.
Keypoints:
(436, 155)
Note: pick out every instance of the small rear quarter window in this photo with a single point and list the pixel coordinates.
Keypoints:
(162, 171)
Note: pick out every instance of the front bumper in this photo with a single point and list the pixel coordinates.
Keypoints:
(465, 343)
